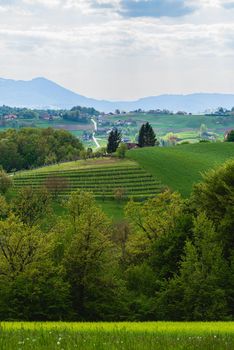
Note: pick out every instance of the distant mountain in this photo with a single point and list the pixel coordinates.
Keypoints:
(43, 93)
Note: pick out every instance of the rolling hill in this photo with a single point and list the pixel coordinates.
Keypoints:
(43, 93)
(102, 177)
(182, 166)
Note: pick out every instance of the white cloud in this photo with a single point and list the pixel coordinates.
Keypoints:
(88, 46)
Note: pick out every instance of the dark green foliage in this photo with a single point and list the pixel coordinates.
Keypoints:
(147, 136)
(215, 197)
(230, 136)
(80, 114)
(168, 249)
(29, 148)
(202, 277)
(114, 140)
(121, 150)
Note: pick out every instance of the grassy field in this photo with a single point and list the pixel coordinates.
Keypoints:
(83, 164)
(185, 127)
(181, 166)
(117, 336)
(113, 209)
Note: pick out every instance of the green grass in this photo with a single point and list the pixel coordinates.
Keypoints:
(176, 123)
(113, 208)
(82, 164)
(181, 166)
(117, 336)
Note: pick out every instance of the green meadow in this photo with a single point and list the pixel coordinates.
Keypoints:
(182, 166)
(117, 336)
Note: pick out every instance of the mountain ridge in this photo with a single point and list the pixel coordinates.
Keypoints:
(44, 93)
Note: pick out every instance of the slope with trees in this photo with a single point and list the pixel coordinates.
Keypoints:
(28, 148)
(170, 259)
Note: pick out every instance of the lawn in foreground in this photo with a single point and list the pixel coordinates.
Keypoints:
(115, 336)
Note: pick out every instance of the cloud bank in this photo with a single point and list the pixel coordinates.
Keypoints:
(120, 48)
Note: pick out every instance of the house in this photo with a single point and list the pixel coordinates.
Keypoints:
(131, 145)
(10, 117)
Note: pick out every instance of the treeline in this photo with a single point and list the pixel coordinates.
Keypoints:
(77, 113)
(80, 114)
(170, 259)
(34, 147)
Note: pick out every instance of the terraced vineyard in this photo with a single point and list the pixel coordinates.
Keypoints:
(103, 182)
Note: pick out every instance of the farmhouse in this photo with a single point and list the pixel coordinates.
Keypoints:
(10, 117)
(131, 145)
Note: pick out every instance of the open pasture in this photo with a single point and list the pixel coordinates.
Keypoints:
(182, 166)
(117, 336)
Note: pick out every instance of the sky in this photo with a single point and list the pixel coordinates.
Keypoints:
(120, 49)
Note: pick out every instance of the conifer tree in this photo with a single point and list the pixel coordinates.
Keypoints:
(141, 136)
(113, 141)
(147, 136)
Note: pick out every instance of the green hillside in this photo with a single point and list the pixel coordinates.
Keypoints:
(102, 177)
(180, 167)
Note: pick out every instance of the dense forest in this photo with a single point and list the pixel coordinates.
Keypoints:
(34, 147)
(170, 259)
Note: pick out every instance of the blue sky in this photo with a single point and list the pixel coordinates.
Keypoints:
(120, 49)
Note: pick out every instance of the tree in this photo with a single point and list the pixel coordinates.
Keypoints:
(203, 131)
(4, 208)
(114, 140)
(230, 136)
(121, 150)
(28, 275)
(89, 152)
(156, 216)
(200, 285)
(150, 221)
(56, 184)
(5, 182)
(215, 197)
(119, 194)
(89, 260)
(33, 147)
(147, 136)
(32, 205)
(141, 137)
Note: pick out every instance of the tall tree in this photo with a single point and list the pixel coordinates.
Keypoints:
(114, 140)
(31, 285)
(89, 261)
(147, 136)
(215, 197)
(31, 205)
(230, 136)
(141, 137)
(202, 277)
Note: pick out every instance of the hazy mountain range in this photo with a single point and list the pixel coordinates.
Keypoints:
(43, 93)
